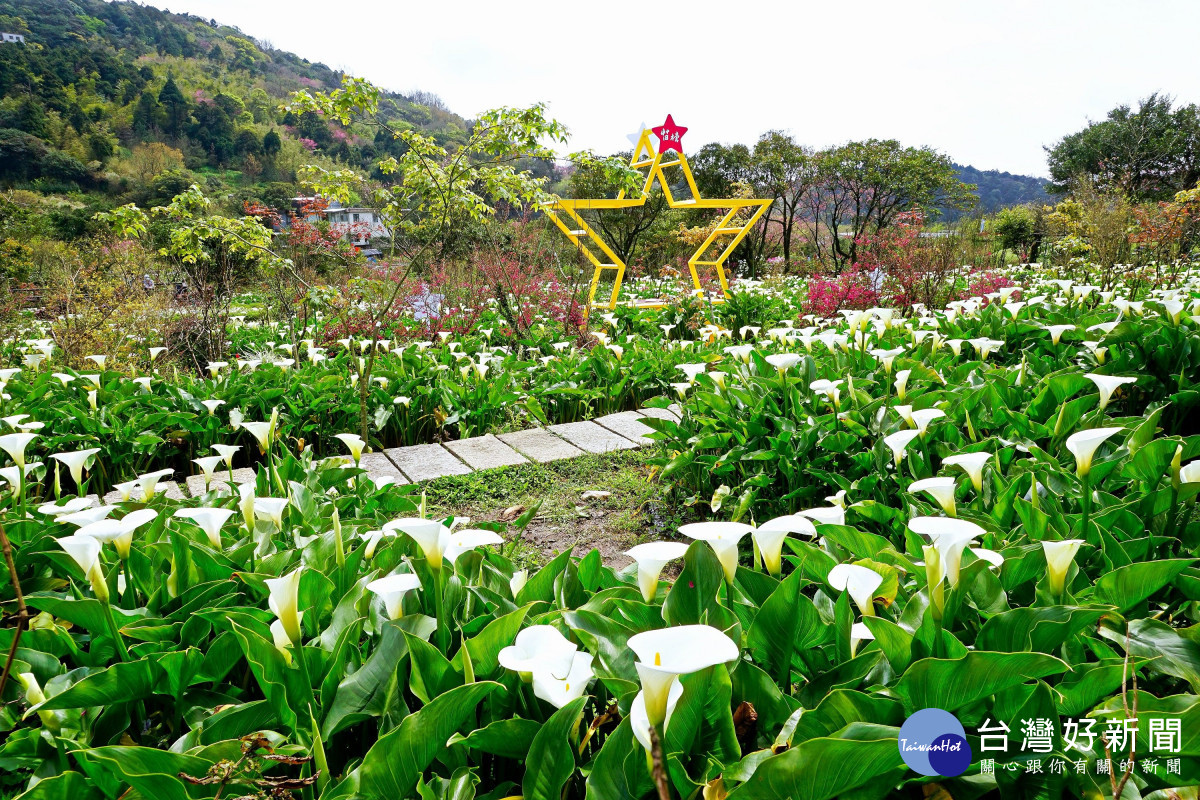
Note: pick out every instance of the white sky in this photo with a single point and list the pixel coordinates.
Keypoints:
(988, 82)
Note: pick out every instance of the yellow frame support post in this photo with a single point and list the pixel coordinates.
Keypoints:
(601, 256)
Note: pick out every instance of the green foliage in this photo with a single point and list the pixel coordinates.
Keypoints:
(167, 666)
(1015, 227)
(1147, 153)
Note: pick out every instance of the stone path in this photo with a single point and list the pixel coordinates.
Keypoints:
(425, 462)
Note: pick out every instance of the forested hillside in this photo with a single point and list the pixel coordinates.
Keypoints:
(114, 102)
(996, 189)
(107, 103)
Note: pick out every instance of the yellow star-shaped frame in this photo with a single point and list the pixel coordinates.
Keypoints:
(601, 256)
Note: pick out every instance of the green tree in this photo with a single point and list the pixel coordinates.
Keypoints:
(783, 171)
(1015, 228)
(622, 229)
(860, 188)
(260, 105)
(146, 113)
(433, 190)
(60, 166)
(1148, 154)
(21, 154)
(175, 108)
(271, 143)
(717, 167)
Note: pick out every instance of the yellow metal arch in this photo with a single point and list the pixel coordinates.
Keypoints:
(566, 216)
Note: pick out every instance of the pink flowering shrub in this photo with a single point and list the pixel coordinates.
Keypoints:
(851, 289)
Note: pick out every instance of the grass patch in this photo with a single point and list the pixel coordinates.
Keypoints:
(636, 508)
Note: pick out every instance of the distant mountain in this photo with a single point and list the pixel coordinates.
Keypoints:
(998, 189)
(107, 98)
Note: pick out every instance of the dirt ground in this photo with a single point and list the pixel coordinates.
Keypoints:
(608, 502)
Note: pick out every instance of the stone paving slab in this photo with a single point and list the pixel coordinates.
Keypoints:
(378, 466)
(660, 413)
(626, 423)
(424, 462)
(485, 452)
(539, 445)
(591, 437)
(195, 483)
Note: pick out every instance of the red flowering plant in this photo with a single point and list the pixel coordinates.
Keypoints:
(520, 270)
(853, 288)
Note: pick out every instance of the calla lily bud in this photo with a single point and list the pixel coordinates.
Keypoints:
(284, 601)
(1059, 557)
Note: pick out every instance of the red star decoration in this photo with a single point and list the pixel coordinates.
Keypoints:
(669, 135)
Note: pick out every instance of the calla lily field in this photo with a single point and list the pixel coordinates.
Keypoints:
(987, 508)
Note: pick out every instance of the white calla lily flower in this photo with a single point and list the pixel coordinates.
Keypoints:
(990, 556)
(1106, 385)
(261, 431)
(665, 654)
(14, 444)
(281, 640)
(539, 648)
(72, 506)
(924, 416)
(826, 515)
(438, 543)
(271, 508)
(1084, 444)
(148, 483)
(517, 582)
(639, 718)
(560, 691)
(208, 464)
(119, 531)
(899, 441)
(859, 633)
(86, 516)
(651, 557)
(85, 551)
(860, 582)
(209, 520)
(770, 535)
(1056, 332)
(76, 462)
(972, 464)
(950, 537)
(392, 589)
(723, 537)
(354, 443)
(940, 489)
(782, 362)
(226, 452)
